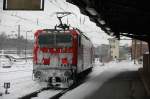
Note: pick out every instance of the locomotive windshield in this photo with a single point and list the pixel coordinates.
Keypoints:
(45, 39)
(55, 39)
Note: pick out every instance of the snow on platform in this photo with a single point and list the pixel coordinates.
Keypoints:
(112, 81)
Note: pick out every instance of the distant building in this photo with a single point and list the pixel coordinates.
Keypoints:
(139, 48)
(114, 48)
(124, 52)
(102, 52)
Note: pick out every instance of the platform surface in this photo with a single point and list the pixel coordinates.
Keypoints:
(118, 81)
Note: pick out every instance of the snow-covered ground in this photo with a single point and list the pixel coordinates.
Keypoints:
(98, 86)
(21, 82)
(20, 77)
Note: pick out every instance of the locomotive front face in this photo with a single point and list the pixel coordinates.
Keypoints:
(54, 57)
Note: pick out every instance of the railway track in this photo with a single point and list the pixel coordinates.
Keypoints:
(59, 94)
(56, 96)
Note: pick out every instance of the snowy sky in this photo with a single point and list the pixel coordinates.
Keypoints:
(33, 20)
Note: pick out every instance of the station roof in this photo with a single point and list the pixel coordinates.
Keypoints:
(129, 18)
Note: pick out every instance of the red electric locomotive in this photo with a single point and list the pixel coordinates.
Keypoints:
(61, 55)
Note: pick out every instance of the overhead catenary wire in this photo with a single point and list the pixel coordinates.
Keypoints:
(27, 20)
(55, 3)
(14, 14)
(76, 16)
(31, 21)
(51, 2)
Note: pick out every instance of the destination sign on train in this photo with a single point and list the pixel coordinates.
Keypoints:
(23, 5)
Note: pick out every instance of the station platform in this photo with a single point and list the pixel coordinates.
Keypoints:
(146, 80)
(112, 81)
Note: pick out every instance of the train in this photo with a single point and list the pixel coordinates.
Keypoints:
(59, 56)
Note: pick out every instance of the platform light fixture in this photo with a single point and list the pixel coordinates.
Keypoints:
(107, 28)
(101, 21)
(112, 34)
(92, 11)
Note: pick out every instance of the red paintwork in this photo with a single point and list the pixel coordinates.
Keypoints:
(46, 61)
(35, 54)
(74, 47)
(44, 50)
(64, 61)
(72, 50)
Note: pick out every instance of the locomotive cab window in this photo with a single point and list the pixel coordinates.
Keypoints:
(55, 39)
(63, 40)
(46, 39)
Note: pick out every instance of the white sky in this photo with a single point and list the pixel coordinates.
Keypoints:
(47, 19)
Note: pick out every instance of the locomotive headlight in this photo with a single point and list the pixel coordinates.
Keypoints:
(67, 73)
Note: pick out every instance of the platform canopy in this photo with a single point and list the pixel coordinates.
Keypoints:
(129, 18)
